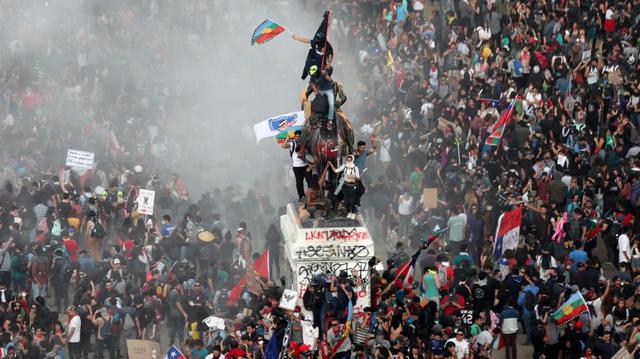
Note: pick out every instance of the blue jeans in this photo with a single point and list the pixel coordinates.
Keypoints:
(331, 99)
(37, 291)
(528, 321)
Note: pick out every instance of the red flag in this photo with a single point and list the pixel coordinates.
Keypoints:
(236, 291)
(405, 272)
(261, 265)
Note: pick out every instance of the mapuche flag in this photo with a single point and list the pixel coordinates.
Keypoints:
(266, 31)
(570, 309)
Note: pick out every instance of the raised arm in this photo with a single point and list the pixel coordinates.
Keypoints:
(301, 39)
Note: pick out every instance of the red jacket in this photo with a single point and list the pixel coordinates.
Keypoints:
(235, 353)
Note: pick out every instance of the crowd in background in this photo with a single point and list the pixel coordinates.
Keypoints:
(82, 271)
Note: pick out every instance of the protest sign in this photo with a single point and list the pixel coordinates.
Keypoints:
(145, 201)
(288, 299)
(429, 198)
(143, 349)
(79, 159)
(214, 322)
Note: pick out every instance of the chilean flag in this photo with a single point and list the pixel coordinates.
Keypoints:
(174, 353)
(508, 232)
(404, 278)
(497, 130)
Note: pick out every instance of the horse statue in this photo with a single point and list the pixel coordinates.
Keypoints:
(324, 140)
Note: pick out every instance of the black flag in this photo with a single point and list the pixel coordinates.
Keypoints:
(320, 47)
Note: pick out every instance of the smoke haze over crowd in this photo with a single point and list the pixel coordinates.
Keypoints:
(180, 74)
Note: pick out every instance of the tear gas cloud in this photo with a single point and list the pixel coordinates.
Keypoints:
(182, 79)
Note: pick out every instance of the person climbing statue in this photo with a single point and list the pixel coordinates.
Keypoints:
(319, 64)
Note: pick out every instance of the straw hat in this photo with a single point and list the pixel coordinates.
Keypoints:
(206, 236)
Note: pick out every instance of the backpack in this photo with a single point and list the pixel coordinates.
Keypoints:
(65, 253)
(107, 331)
(320, 104)
(116, 323)
(98, 231)
(529, 300)
(517, 67)
(22, 264)
(574, 229)
(61, 270)
(57, 228)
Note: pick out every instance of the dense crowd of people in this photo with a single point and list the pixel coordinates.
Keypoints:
(82, 270)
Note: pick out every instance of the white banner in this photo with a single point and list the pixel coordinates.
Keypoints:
(79, 159)
(288, 300)
(145, 201)
(273, 126)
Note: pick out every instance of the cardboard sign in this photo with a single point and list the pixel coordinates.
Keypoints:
(143, 349)
(429, 198)
(289, 299)
(145, 201)
(586, 55)
(444, 123)
(79, 159)
(214, 322)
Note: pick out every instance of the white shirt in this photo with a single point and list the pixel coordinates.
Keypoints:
(297, 160)
(384, 150)
(608, 15)
(404, 205)
(462, 347)
(75, 324)
(623, 246)
(484, 338)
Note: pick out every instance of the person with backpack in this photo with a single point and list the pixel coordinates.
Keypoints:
(85, 312)
(60, 277)
(19, 269)
(71, 247)
(39, 273)
(103, 320)
(445, 277)
(527, 300)
(95, 234)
